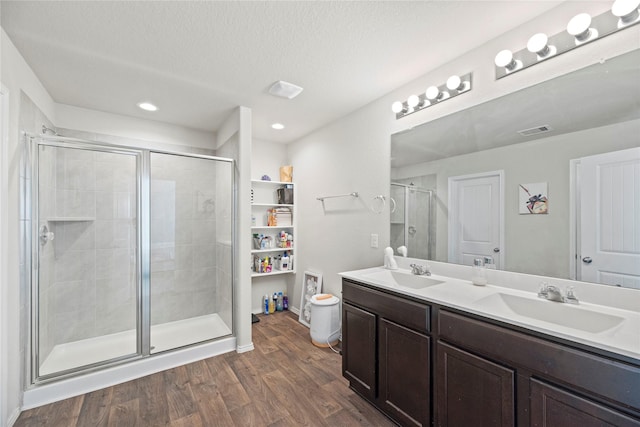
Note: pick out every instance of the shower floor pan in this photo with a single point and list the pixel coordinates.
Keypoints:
(165, 336)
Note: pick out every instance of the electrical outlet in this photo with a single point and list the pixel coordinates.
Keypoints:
(374, 240)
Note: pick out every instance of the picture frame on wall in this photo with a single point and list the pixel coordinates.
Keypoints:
(533, 199)
(311, 285)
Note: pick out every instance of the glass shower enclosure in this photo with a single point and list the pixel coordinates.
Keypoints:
(131, 252)
(412, 220)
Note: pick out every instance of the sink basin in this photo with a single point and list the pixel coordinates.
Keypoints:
(561, 314)
(405, 280)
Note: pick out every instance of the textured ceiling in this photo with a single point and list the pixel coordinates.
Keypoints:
(197, 60)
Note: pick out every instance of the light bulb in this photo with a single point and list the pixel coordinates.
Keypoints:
(455, 83)
(432, 93)
(277, 126)
(504, 58)
(413, 101)
(538, 44)
(397, 107)
(626, 10)
(579, 27)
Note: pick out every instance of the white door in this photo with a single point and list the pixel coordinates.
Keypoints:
(610, 218)
(476, 225)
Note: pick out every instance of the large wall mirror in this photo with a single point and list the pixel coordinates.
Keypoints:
(545, 180)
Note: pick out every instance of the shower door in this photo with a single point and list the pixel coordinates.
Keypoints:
(86, 226)
(191, 232)
(132, 252)
(411, 220)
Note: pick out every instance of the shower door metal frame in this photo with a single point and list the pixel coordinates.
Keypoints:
(32, 210)
(31, 249)
(431, 213)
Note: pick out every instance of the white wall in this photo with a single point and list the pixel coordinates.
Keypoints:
(353, 153)
(234, 141)
(162, 135)
(16, 76)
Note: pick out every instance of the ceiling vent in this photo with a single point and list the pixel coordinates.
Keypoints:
(285, 89)
(536, 130)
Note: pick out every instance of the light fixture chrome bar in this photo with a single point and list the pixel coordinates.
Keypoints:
(454, 86)
(581, 29)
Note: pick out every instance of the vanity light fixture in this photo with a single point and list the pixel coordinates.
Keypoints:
(581, 29)
(147, 106)
(277, 126)
(454, 86)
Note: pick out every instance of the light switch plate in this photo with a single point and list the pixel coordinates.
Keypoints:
(374, 240)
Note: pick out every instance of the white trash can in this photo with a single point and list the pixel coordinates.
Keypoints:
(325, 320)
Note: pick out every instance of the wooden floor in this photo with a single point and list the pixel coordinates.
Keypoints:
(285, 381)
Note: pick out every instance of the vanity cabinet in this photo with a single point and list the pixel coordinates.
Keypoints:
(471, 370)
(473, 390)
(386, 352)
(556, 385)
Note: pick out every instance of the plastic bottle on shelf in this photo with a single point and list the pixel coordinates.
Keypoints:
(285, 301)
(284, 263)
(272, 304)
(266, 304)
(279, 302)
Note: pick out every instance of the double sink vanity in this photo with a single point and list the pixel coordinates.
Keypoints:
(435, 349)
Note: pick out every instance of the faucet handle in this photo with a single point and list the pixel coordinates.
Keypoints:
(571, 297)
(544, 289)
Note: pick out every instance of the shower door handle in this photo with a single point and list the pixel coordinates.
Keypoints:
(45, 235)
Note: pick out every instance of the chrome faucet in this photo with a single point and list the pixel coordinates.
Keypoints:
(420, 270)
(553, 293)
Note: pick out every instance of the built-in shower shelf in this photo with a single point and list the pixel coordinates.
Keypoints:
(70, 218)
(264, 227)
(273, 273)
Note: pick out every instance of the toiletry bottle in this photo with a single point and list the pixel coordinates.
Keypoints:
(272, 304)
(285, 301)
(479, 274)
(266, 304)
(279, 302)
(291, 262)
(285, 262)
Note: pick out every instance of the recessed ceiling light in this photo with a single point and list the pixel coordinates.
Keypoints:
(147, 106)
(285, 89)
(277, 126)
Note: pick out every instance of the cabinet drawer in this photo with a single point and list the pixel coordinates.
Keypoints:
(407, 313)
(609, 379)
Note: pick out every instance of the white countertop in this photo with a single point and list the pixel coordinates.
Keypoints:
(606, 327)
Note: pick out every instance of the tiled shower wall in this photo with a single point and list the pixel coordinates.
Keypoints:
(184, 202)
(88, 287)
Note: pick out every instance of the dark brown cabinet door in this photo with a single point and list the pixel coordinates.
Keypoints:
(359, 349)
(404, 382)
(472, 391)
(551, 406)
